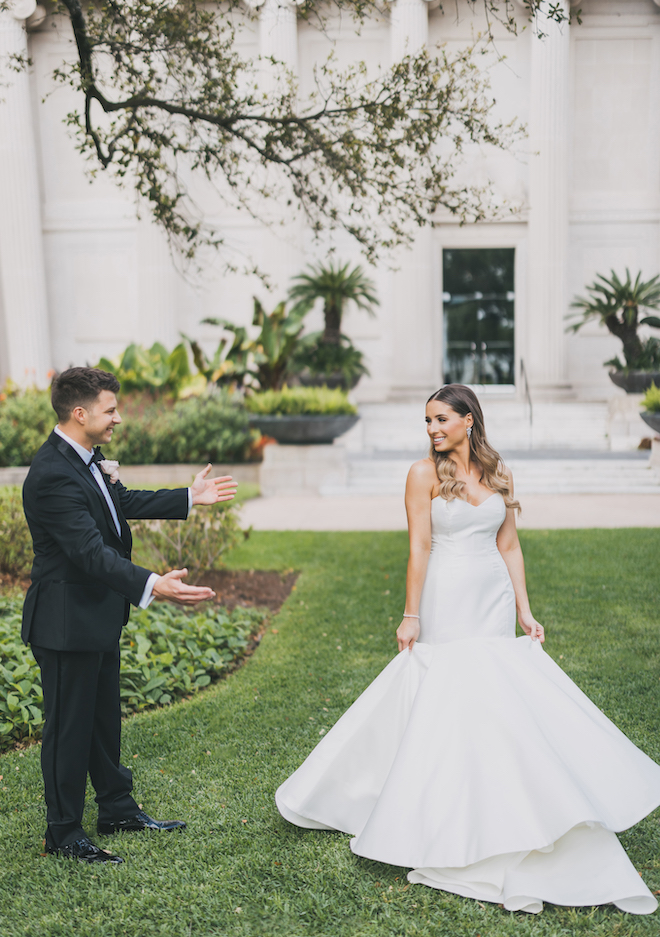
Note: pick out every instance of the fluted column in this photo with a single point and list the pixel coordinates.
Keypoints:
(409, 27)
(278, 32)
(416, 355)
(278, 46)
(26, 354)
(548, 208)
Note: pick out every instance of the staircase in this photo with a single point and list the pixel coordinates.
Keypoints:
(535, 472)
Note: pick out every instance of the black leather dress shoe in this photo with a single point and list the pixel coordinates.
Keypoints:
(84, 850)
(141, 821)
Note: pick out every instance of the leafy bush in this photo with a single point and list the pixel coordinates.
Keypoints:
(213, 428)
(155, 369)
(166, 654)
(16, 553)
(265, 359)
(293, 401)
(197, 543)
(198, 430)
(316, 358)
(26, 419)
(651, 400)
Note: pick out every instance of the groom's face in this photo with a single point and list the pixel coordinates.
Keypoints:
(101, 418)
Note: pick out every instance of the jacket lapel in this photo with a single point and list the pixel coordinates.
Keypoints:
(85, 472)
(112, 491)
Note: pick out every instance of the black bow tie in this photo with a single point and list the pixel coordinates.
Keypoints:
(97, 456)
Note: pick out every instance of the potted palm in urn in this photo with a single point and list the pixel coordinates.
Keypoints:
(329, 357)
(618, 305)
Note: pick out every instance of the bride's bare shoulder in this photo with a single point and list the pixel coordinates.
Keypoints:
(422, 474)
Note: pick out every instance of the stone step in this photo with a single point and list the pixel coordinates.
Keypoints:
(568, 425)
(380, 476)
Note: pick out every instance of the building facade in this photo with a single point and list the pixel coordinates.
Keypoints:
(81, 275)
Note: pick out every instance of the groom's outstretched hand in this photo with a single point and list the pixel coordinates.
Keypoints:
(211, 490)
(171, 587)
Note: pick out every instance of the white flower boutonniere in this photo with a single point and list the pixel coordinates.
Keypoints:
(111, 468)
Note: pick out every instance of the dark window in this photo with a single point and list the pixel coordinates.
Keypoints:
(478, 316)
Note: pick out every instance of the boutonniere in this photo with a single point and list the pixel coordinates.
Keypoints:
(110, 468)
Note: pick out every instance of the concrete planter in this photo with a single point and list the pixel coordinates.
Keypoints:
(635, 382)
(651, 419)
(305, 429)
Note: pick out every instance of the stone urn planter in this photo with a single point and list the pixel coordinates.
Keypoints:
(305, 429)
(635, 382)
(651, 419)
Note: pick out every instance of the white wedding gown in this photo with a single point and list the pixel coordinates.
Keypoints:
(474, 760)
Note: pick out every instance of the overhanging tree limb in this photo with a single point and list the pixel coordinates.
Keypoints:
(376, 156)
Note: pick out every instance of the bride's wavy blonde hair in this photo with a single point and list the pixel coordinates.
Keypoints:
(462, 400)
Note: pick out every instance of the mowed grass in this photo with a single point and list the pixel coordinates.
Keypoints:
(216, 761)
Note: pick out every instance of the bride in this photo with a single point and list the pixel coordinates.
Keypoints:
(472, 758)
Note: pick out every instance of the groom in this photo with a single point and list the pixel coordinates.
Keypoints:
(83, 582)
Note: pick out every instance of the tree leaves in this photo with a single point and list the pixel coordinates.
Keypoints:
(165, 93)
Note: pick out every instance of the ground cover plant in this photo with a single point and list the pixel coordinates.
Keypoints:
(167, 654)
(240, 870)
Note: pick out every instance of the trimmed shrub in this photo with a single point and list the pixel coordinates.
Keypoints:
(198, 430)
(25, 422)
(197, 543)
(15, 540)
(296, 401)
(213, 428)
(167, 653)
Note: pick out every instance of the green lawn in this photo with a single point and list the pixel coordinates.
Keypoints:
(216, 761)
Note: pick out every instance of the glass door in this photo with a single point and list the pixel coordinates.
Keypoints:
(478, 308)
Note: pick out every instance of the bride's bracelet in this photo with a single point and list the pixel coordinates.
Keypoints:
(410, 616)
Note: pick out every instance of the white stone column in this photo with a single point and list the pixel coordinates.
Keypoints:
(416, 355)
(548, 209)
(23, 305)
(278, 32)
(409, 27)
(280, 253)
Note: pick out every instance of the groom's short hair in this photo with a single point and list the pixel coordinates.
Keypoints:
(79, 387)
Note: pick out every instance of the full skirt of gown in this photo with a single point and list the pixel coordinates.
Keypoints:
(473, 759)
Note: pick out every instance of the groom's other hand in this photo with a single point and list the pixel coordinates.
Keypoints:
(171, 587)
(211, 490)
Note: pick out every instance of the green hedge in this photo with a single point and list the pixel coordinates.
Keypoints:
(200, 542)
(167, 653)
(296, 401)
(15, 541)
(213, 428)
(25, 422)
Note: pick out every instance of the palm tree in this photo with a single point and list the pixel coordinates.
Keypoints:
(617, 304)
(335, 285)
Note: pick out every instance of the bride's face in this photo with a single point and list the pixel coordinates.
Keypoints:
(446, 428)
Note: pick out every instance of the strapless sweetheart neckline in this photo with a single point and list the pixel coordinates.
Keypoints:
(461, 501)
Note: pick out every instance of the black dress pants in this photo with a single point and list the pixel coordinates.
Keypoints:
(81, 734)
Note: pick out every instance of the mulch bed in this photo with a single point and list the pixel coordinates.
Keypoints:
(262, 588)
(251, 587)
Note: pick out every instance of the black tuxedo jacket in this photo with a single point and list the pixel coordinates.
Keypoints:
(82, 576)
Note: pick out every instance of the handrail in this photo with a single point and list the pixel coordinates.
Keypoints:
(528, 396)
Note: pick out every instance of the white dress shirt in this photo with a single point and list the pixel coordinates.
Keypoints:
(86, 456)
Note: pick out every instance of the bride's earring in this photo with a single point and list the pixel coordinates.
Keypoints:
(469, 431)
